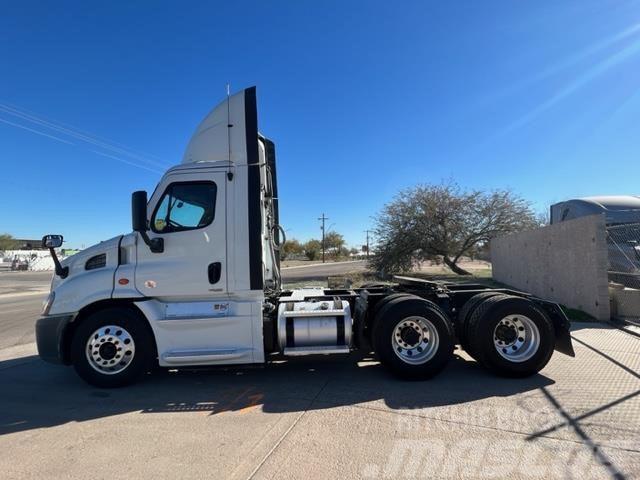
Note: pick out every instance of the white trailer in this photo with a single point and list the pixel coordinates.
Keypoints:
(197, 283)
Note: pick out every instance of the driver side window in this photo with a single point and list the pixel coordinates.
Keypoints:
(185, 206)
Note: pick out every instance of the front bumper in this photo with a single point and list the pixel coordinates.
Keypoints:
(50, 335)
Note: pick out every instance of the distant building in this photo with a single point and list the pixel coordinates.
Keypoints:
(618, 209)
(28, 244)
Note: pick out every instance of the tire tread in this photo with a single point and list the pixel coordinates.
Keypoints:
(483, 353)
(403, 307)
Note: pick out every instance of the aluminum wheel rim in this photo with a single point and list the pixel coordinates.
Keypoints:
(415, 340)
(110, 349)
(516, 338)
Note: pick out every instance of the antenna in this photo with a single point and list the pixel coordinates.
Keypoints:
(229, 124)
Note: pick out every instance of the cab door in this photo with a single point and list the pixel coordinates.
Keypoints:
(188, 212)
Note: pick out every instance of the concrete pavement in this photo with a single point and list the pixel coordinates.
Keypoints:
(332, 418)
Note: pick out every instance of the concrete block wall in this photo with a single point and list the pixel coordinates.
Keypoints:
(565, 262)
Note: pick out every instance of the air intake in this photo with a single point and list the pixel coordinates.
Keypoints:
(98, 261)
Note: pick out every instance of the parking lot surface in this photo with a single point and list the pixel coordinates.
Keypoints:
(330, 418)
(323, 417)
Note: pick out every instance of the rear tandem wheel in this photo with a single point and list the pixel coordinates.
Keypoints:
(412, 337)
(511, 336)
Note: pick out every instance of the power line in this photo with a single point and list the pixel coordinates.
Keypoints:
(58, 139)
(35, 131)
(113, 147)
(144, 167)
(81, 134)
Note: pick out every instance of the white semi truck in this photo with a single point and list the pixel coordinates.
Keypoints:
(197, 283)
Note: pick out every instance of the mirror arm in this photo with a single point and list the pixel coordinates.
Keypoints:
(139, 221)
(61, 271)
(156, 245)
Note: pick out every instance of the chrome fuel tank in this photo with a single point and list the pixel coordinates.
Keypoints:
(322, 326)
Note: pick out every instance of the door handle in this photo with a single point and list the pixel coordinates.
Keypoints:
(214, 270)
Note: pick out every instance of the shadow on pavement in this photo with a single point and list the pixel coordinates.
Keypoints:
(37, 395)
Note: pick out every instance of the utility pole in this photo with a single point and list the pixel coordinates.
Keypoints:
(367, 232)
(323, 218)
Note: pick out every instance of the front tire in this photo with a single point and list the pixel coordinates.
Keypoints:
(112, 348)
(413, 338)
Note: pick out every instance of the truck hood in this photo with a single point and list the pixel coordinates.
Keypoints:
(77, 263)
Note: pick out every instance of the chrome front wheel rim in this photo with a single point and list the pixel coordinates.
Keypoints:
(110, 349)
(415, 340)
(516, 338)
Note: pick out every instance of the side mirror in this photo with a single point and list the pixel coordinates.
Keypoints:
(139, 211)
(139, 221)
(52, 241)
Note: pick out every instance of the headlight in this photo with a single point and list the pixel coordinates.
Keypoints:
(46, 305)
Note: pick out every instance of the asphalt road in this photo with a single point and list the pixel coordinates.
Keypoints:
(22, 294)
(328, 417)
(21, 297)
(24, 282)
(321, 271)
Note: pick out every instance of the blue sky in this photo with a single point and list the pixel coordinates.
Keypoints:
(362, 98)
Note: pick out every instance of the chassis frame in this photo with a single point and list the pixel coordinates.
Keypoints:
(449, 296)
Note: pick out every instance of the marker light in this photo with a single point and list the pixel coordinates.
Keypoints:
(48, 303)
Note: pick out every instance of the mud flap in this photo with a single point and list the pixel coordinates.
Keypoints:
(563, 341)
(562, 326)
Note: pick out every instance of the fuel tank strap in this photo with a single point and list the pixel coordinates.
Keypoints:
(290, 335)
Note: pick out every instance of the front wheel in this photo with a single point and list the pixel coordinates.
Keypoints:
(112, 348)
(413, 338)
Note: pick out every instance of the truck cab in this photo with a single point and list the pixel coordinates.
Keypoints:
(201, 261)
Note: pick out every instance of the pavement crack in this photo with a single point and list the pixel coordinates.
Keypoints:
(286, 433)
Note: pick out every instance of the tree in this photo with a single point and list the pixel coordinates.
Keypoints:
(334, 242)
(544, 218)
(7, 242)
(291, 247)
(444, 221)
(312, 249)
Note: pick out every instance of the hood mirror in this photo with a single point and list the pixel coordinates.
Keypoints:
(52, 242)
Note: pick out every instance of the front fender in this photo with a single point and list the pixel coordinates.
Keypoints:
(83, 287)
(79, 291)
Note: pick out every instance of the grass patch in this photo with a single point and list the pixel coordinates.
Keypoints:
(576, 315)
(348, 280)
(356, 279)
(480, 276)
